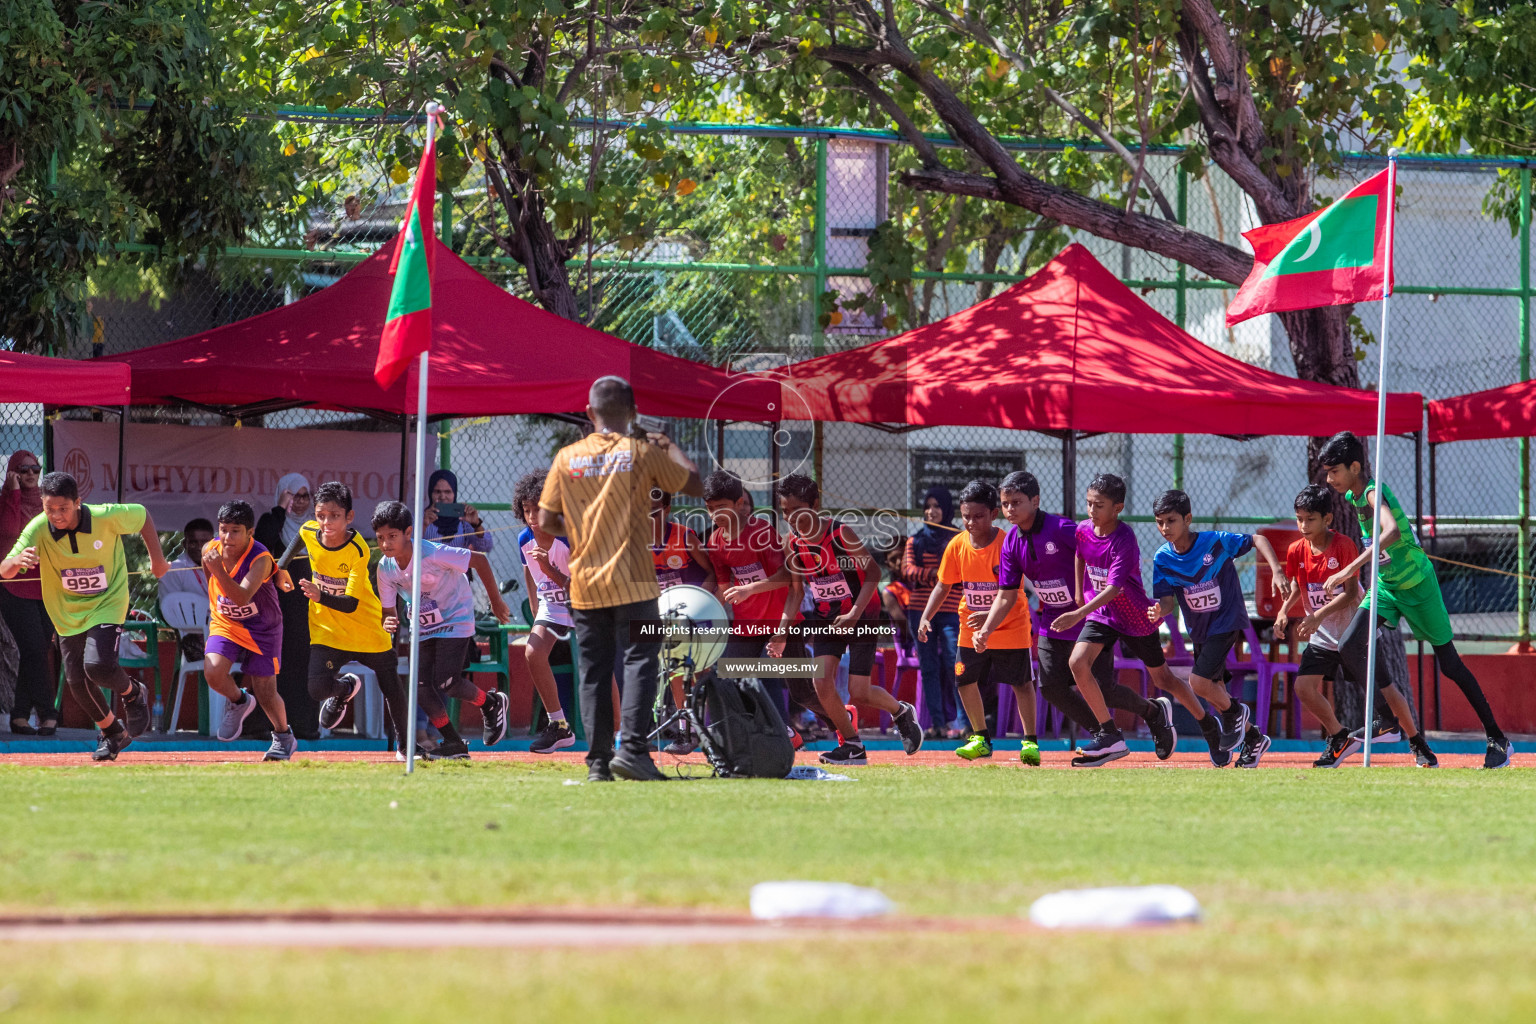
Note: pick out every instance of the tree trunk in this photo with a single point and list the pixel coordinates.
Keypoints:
(531, 239)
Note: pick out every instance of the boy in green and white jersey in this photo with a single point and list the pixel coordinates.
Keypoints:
(1407, 589)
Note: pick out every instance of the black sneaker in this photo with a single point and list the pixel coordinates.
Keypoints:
(333, 708)
(1422, 755)
(450, 750)
(494, 713)
(1104, 746)
(1498, 753)
(1255, 746)
(133, 709)
(1219, 757)
(110, 745)
(846, 754)
(1160, 723)
(624, 766)
(1338, 744)
(599, 773)
(556, 736)
(1234, 725)
(911, 732)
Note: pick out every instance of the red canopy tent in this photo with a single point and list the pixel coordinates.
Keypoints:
(49, 381)
(1509, 411)
(1073, 349)
(25, 378)
(492, 354)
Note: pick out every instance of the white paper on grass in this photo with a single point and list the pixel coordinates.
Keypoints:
(815, 773)
(1115, 907)
(772, 900)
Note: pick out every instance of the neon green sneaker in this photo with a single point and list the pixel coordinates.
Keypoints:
(977, 746)
(1029, 753)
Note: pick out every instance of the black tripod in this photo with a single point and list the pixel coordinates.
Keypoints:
(692, 712)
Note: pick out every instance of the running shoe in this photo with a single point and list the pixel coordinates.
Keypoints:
(333, 708)
(683, 742)
(1164, 739)
(1219, 757)
(911, 732)
(1234, 725)
(1255, 746)
(110, 745)
(846, 754)
(556, 736)
(1105, 746)
(283, 746)
(1029, 753)
(1338, 743)
(450, 750)
(1498, 753)
(978, 746)
(494, 715)
(1422, 755)
(133, 709)
(234, 718)
(1386, 732)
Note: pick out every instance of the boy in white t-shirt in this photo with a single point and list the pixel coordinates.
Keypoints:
(547, 576)
(445, 620)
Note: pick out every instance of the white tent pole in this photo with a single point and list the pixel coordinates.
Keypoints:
(1381, 433)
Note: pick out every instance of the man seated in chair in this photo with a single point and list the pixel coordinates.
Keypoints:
(187, 576)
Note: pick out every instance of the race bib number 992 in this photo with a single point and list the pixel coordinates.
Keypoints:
(85, 582)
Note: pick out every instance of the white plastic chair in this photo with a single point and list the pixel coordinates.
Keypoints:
(188, 613)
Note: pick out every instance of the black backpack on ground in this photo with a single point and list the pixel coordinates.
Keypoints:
(745, 736)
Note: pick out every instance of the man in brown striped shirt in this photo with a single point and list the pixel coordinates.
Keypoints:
(598, 496)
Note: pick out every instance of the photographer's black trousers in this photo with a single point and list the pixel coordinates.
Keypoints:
(604, 644)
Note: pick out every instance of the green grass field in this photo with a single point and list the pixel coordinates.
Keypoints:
(1389, 895)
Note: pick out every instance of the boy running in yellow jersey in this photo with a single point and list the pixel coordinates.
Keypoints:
(346, 621)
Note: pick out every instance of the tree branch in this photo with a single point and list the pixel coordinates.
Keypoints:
(925, 149)
(1012, 56)
(1205, 254)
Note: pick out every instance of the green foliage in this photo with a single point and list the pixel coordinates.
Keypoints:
(117, 124)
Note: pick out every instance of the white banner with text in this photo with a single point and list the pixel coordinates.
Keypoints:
(183, 473)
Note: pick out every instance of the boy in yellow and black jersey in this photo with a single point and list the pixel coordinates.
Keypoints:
(346, 621)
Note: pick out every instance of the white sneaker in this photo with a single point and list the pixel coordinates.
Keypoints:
(234, 718)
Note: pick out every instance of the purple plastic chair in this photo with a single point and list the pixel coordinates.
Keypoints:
(1263, 671)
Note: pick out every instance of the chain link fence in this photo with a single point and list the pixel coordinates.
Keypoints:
(754, 256)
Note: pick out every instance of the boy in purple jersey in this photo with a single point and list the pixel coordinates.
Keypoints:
(1114, 603)
(245, 626)
(1041, 550)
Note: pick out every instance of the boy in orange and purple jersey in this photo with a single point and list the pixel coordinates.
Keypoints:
(245, 626)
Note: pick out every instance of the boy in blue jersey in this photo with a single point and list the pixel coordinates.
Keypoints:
(446, 620)
(1196, 571)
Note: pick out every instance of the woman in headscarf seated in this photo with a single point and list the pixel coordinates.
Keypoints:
(464, 530)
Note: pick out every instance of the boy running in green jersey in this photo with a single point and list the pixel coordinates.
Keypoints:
(85, 589)
(1407, 589)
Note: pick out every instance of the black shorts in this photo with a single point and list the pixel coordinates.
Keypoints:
(1211, 656)
(861, 653)
(998, 665)
(1146, 649)
(1319, 661)
(1055, 654)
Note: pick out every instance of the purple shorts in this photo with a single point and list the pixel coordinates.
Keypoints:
(251, 663)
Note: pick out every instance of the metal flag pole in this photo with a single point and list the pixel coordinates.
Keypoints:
(418, 487)
(1381, 433)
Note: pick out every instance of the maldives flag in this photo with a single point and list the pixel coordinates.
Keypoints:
(1341, 253)
(408, 325)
